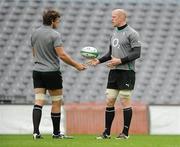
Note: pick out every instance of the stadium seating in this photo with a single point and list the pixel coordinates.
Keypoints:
(88, 23)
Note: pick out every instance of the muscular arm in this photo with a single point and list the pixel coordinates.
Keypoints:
(65, 57)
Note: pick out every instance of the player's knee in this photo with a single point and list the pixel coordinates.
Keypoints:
(125, 102)
(40, 99)
(56, 103)
(110, 102)
(56, 108)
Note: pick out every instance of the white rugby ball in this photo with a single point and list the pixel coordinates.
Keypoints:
(89, 52)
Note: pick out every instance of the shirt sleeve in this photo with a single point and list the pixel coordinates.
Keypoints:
(58, 41)
(107, 56)
(134, 40)
(133, 55)
(135, 48)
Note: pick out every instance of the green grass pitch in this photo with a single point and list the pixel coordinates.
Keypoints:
(90, 141)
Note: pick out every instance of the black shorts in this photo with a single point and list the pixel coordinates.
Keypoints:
(48, 80)
(121, 79)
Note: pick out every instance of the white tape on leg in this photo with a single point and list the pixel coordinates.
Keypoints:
(40, 96)
(57, 97)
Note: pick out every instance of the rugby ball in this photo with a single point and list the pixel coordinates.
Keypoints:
(89, 52)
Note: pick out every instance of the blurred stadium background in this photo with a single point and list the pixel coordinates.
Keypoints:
(88, 23)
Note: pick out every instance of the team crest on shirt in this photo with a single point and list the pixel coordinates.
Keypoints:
(115, 42)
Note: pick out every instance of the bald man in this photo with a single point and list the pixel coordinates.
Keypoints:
(124, 49)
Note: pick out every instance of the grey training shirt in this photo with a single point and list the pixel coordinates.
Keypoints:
(122, 42)
(44, 40)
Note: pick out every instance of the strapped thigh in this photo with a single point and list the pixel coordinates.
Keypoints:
(112, 93)
(125, 94)
(57, 97)
(40, 96)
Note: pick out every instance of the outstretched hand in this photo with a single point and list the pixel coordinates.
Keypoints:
(80, 67)
(93, 62)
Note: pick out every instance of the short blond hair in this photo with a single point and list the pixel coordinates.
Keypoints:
(121, 12)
